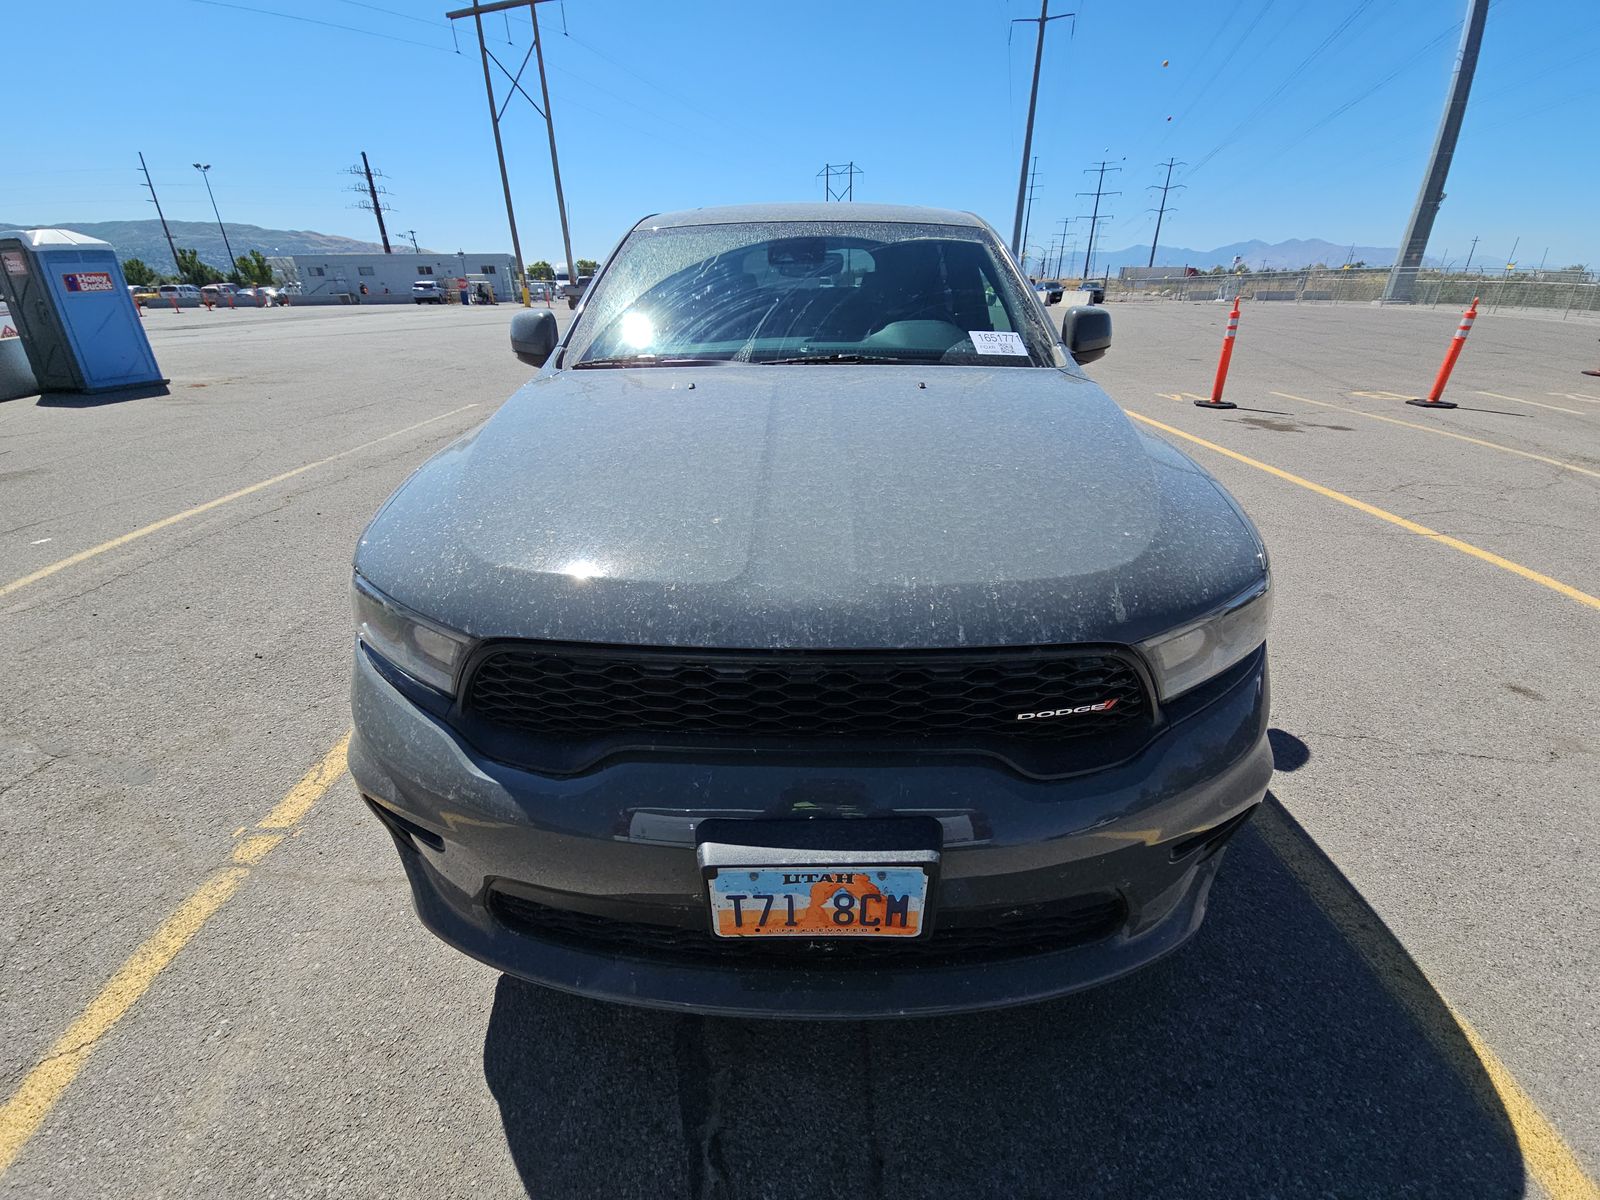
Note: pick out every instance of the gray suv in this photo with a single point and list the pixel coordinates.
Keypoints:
(811, 638)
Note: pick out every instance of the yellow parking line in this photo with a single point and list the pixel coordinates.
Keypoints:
(27, 1107)
(1381, 395)
(1460, 437)
(1545, 1154)
(1535, 403)
(1432, 535)
(155, 526)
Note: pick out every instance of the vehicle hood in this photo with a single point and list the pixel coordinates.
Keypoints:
(812, 506)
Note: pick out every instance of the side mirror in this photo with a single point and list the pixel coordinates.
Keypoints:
(534, 337)
(1086, 329)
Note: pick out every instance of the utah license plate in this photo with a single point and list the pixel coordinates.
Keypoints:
(816, 902)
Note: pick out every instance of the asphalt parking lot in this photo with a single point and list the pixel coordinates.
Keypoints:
(212, 984)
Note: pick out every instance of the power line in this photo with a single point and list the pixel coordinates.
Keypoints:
(1162, 211)
(1338, 31)
(267, 12)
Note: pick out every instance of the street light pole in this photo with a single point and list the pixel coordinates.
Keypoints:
(205, 173)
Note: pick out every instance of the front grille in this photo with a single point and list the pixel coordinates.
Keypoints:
(568, 692)
(965, 938)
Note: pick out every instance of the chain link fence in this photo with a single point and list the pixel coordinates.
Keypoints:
(1570, 294)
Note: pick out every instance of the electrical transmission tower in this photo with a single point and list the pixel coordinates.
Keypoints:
(1060, 245)
(1167, 186)
(846, 171)
(1403, 278)
(168, 232)
(1027, 219)
(1095, 218)
(370, 191)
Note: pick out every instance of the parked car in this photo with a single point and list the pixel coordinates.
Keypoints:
(184, 293)
(427, 291)
(573, 291)
(1050, 290)
(830, 646)
(1095, 291)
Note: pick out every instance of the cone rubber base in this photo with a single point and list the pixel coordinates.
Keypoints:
(1421, 403)
(1216, 404)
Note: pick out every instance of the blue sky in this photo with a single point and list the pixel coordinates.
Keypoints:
(668, 105)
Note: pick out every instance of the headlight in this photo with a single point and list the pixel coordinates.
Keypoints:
(1187, 657)
(422, 649)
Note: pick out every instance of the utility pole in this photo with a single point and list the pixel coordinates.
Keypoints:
(1043, 19)
(1062, 245)
(205, 173)
(373, 205)
(1403, 277)
(159, 213)
(476, 12)
(1033, 182)
(555, 163)
(849, 171)
(1095, 218)
(1468, 265)
(1162, 211)
(412, 234)
(1511, 259)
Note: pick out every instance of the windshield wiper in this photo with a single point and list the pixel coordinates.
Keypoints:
(835, 358)
(650, 360)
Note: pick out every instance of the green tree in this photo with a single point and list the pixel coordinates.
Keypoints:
(138, 272)
(192, 270)
(541, 270)
(587, 266)
(253, 269)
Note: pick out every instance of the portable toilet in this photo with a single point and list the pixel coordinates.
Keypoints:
(71, 306)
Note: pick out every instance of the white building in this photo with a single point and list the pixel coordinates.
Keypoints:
(338, 278)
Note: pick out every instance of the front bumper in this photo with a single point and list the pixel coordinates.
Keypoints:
(617, 844)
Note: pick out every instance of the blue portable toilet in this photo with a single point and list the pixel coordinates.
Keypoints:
(70, 303)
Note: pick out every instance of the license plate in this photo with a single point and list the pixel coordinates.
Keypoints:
(818, 902)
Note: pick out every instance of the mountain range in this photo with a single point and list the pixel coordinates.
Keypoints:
(1258, 255)
(143, 239)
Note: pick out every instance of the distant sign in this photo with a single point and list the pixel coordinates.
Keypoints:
(15, 263)
(89, 281)
(7, 329)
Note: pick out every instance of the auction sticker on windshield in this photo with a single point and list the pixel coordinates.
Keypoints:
(830, 901)
(989, 341)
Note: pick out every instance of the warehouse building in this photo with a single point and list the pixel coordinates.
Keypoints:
(339, 278)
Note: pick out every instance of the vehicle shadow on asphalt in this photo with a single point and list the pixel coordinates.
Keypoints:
(1264, 1059)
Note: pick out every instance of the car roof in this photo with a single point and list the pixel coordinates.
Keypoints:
(815, 210)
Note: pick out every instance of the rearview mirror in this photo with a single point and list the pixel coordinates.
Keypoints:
(1086, 329)
(533, 336)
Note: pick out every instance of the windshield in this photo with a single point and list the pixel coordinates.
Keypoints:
(772, 292)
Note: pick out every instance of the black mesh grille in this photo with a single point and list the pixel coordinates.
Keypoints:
(561, 692)
(1040, 929)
